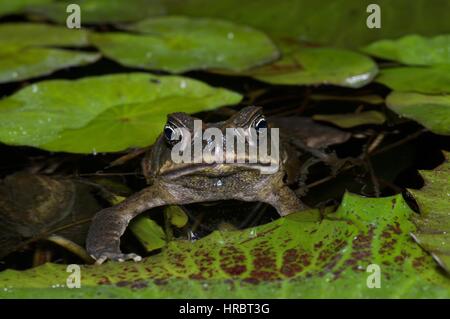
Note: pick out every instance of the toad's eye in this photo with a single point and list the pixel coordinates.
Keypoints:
(260, 124)
(172, 135)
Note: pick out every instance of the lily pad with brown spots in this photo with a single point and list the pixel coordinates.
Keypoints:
(303, 255)
(433, 226)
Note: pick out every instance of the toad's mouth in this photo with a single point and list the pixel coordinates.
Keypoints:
(216, 169)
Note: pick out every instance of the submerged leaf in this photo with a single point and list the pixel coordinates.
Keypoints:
(340, 23)
(413, 50)
(299, 256)
(433, 225)
(352, 119)
(369, 99)
(176, 216)
(180, 44)
(432, 111)
(148, 232)
(102, 113)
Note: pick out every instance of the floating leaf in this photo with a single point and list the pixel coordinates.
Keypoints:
(37, 34)
(103, 113)
(24, 52)
(19, 63)
(430, 80)
(352, 119)
(101, 11)
(314, 66)
(413, 50)
(179, 44)
(432, 111)
(433, 232)
(369, 99)
(300, 256)
(148, 232)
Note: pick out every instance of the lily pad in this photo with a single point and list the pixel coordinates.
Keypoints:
(180, 44)
(315, 66)
(25, 54)
(432, 111)
(300, 256)
(101, 11)
(433, 226)
(38, 34)
(428, 80)
(352, 119)
(102, 113)
(20, 63)
(413, 50)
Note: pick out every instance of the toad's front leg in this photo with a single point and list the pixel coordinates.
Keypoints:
(278, 195)
(284, 200)
(103, 240)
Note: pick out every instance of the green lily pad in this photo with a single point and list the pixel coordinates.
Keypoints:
(432, 111)
(179, 44)
(19, 63)
(433, 226)
(352, 119)
(38, 34)
(429, 80)
(314, 66)
(413, 50)
(101, 11)
(300, 256)
(102, 113)
(25, 54)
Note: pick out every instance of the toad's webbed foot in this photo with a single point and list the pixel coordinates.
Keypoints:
(108, 225)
